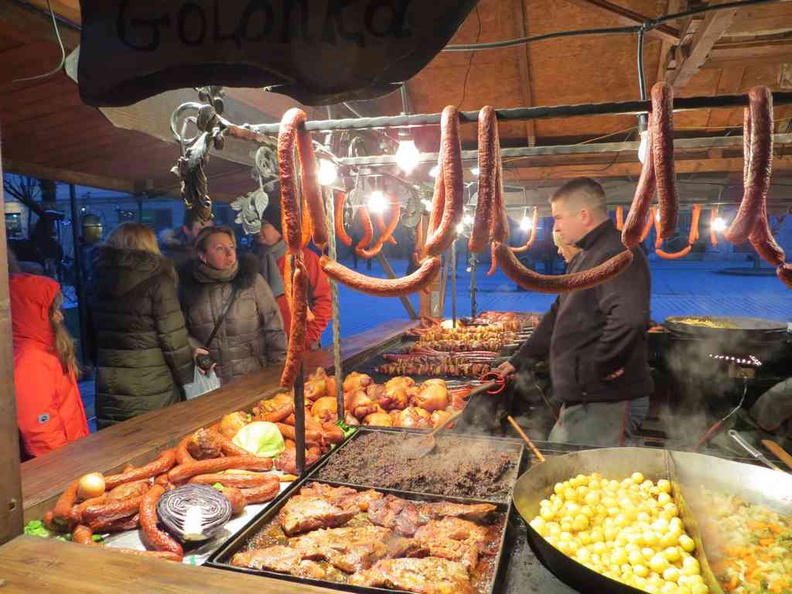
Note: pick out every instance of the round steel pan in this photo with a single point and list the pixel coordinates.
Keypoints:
(752, 330)
(754, 484)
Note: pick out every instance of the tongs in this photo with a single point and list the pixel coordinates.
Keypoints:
(752, 450)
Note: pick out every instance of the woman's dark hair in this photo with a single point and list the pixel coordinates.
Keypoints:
(204, 234)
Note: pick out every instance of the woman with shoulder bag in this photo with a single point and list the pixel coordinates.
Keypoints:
(230, 309)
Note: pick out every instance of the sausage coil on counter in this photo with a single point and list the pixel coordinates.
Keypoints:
(159, 539)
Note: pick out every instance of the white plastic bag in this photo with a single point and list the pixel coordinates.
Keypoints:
(201, 384)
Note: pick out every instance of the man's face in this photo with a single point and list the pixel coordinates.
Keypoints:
(268, 235)
(569, 222)
(192, 231)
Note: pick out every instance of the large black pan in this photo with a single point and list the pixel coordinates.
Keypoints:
(751, 330)
(750, 483)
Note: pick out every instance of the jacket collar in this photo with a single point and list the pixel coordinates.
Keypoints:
(590, 238)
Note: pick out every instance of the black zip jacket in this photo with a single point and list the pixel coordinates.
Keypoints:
(588, 335)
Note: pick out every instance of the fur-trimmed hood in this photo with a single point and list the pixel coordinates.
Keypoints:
(192, 277)
(117, 272)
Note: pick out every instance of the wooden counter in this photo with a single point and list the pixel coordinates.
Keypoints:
(138, 440)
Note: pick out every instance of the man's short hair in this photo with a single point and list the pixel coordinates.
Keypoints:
(583, 192)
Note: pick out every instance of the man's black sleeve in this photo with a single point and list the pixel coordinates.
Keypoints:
(537, 346)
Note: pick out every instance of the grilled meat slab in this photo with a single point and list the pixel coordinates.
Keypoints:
(281, 559)
(424, 576)
(476, 512)
(303, 513)
(348, 549)
(400, 515)
(344, 497)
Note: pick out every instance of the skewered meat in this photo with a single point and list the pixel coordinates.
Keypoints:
(348, 549)
(379, 419)
(356, 381)
(432, 397)
(449, 365)
(281, 559)
(413, 418)
(476, 512)
(309, 512)
(399, 515)
(424, 576)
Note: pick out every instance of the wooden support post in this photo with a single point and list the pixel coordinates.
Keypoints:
(10, 480)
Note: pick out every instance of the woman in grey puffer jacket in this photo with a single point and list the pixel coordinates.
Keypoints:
(251, 335)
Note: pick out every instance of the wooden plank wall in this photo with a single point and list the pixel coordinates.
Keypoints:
(10, 482)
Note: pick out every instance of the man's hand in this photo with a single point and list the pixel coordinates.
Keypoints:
(506, 369)
(614, 375)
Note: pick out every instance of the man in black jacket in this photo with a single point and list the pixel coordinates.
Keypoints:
(595, 339)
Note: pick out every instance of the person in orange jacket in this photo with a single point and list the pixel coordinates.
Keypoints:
(271, 251)
(50, 411)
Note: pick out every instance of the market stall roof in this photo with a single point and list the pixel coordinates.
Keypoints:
(48, 132)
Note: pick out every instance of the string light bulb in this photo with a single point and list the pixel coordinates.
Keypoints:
(643, 147)
(719, 225)
(475, 171)
(328, 172)
(467, 219)
(377, 202)
(407, 155)
(526, 223)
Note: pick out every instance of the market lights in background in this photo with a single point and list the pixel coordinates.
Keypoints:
(719, 225)
(328, 172)
(377, 202)
(526, 223)
(407, 155)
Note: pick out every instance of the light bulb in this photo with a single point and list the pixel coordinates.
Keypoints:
(467, 219)
(475, 171)
(407, 156)
(657, 216)
(376, 202)
(328, 172)
(718, 225)
(434, 171)
(460, 228)
(643, 148)
(526, 224)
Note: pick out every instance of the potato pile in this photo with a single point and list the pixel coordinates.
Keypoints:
(628, 530)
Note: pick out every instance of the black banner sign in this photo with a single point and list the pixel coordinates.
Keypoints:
(317, 51)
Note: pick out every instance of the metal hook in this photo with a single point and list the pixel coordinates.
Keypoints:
(174, 121)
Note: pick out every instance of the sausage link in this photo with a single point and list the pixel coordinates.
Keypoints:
(493, 260)
(499, 228)
(713, 233)
(620, 217)
(312, 192)
(62, 513)
(542, 283)
(532, 237)
(290, 206)
(159, 539)
(380, 287)
(240, 481)
(383, 229)
(298, 328)
(439, 241)
(765, 244)
(438, 197)
(487, 141)
(757, 173)
(663, 155)
(120, 525)
(112, 510)
(637, 226)
(230, 448)
(338, 202)
(695, 219)
(674, 255)
(83, 535)
(235, 498)
(183, 455)
(368, 230)
(305, 223)
(658, 234)
(289, 432)
(784, 272)
(78, 510)
(269, 490)
(386, 235)
(181, 474)
(164, 463)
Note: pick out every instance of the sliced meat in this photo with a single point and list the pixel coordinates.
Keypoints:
(476, 512)
(460, 551)
(303, 513)
(456, 529)
(424, 576)
(343, 497)
(400, 515)
(281, 559)
(348, 549)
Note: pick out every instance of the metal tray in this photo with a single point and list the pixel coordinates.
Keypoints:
(220, 560)
(523, 460)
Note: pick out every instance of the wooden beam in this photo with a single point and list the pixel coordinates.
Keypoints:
(713, 27)
(730, 82)
(672, 7)
(66, 9)
(64, 175)
(520, 17)
(629, 17)
(766, 51)
(10, 480)
(36, 24)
